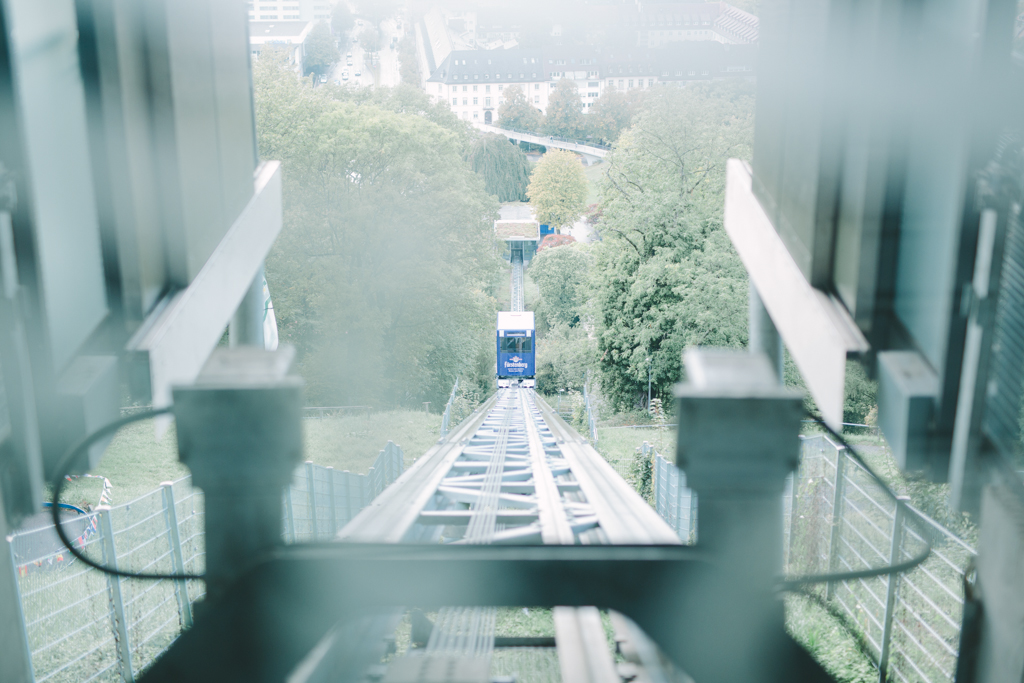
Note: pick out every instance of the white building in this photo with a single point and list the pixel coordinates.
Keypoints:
(289, 10)
(286, 35)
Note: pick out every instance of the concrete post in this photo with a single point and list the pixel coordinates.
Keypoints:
(763, 337)
(311, 499)
(738, 441)
(332, 487)
(239, 430)
(177, 558)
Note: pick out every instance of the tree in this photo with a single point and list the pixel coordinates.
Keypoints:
(666, 276)
(516, 113)
(503, 166)
(563, 276)
(564, 355)
(409, 61)
(342, 20)
(565, 111)
(382, 274)
(377, 11)
(321, 52)
(609, 115)
(558, 188)
(369, 38)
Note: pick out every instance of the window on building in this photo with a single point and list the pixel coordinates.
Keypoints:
(291, 16)
(500, 88)
(691, 72)
(487, 101)
(475, 100)
(650, 82)
(592, 85)
(522, 75)
(501, 101)
(705, 72)
(440, 88)
(455, 100)
(268, 17)
(474, 88)
(476, 114)
(465, 101)
(630, 83)
(611, 83)
(536, 86)
(536, 99)
(464, 88)
(620, 82)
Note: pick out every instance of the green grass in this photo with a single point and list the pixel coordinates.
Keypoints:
(620, 444)
(594, 175)
(828, 641)
(136, 462)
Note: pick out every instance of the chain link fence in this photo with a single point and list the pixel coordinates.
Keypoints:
(83, 625)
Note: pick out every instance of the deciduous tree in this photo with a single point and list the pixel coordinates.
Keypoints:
(666, 275)
(565, 111)
(342, 20)
(503, 166)
(321, 52)
(516, 113)
(558, 188)
(382, 273)
(563, 276)
(610, 114)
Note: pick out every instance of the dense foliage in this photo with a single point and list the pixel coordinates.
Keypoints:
(666, 275)
(408, 60)
(562, 275)
(342, 20)
(516, 112)
(558, 188)
(381, 274)
(612, 112)
(321, 52)
(564, 116)
(503, 166)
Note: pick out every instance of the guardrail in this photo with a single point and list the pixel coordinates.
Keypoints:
(83, 625)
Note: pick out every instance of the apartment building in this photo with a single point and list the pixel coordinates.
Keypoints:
(289, 10)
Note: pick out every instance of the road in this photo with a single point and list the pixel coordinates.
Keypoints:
(388, 58)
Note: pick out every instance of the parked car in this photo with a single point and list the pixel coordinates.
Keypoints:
(323, 78)
(358, 74)
(344, 76)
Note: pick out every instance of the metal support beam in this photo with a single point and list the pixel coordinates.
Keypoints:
(895, 555)
(763, 337)
(835, 531)
(15, 655)
(246, 327)
(293, 598)
(177, 559)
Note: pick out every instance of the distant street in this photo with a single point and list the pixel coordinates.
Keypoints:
(360, 59)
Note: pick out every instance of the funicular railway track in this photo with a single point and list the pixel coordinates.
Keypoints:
(514, 473)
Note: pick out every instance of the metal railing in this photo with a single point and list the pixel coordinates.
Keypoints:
(447, 417)
(911, 624)
(83, 625)
(838, 519)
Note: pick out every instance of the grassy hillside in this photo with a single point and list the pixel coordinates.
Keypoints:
(136, 462)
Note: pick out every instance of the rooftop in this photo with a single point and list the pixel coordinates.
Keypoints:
(278, 31)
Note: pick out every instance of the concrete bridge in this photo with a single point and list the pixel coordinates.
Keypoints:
(590, 153)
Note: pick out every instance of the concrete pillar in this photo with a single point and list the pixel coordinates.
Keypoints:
(239, 429)
(738, 441)
(763, 337)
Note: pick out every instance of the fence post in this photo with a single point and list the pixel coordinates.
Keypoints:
(367, 483)
(16, 663)
(177, 558)
(333, 487)
(289, 513)
(350, 497)
(891, 583)
(120, 628)
(311, 498)
(835, 532)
